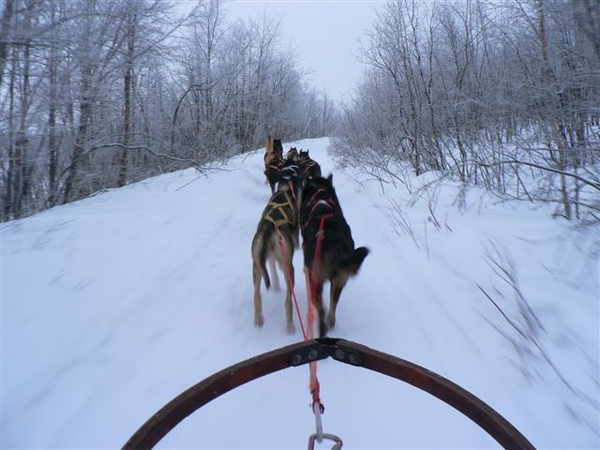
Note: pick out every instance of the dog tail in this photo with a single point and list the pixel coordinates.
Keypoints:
(356, 258)
(269, 144)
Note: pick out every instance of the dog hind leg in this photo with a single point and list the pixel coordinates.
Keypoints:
(290, 280)
(274, 275)
(289, 309)
(259, 272)
(259, 319)
(317, 299)
(337, 285)
(348, 268)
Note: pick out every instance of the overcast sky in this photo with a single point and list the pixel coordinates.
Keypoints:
(324, 34)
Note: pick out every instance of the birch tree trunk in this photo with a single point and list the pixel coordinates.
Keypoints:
(553, 111)
(128, 84)
(52, 106)
(21, 180)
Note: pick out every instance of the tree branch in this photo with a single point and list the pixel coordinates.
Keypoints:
(593, 184)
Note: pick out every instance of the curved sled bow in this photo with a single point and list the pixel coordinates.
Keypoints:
(341, 350)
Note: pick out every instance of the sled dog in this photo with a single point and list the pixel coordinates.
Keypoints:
(328, 247)
(273, 162)
(310, 168)
(275, 240)
(292, 155)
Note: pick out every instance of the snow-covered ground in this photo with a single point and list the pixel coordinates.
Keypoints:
(113, 305)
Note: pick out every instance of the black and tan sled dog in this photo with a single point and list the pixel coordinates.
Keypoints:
(329, 253)
(275, 240)
(309, 167)
(273, 162)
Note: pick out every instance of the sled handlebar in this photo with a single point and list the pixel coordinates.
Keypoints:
(341, 350)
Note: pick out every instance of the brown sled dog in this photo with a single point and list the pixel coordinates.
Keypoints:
(292, 155)
(328, 247)
(275, 240)
(273, 162)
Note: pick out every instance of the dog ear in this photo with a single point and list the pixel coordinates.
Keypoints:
(330, 179)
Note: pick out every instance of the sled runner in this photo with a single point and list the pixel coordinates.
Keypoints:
(314, 350)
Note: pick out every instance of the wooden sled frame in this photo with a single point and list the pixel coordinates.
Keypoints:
(159, 425)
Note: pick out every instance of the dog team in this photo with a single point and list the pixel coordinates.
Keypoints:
(302, 201)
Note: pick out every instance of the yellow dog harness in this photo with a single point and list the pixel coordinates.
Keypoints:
(281, 210)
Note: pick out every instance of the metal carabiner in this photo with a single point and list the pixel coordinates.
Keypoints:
(337, 441)
(318, 410)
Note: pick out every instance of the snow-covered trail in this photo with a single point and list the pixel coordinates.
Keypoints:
(114, 305)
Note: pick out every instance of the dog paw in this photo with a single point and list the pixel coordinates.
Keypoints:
(259, 321)
(291, 329)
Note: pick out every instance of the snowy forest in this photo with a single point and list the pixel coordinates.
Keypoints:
(99, 94)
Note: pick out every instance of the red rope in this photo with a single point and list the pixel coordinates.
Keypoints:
(315, 268)
(288, 274)
(314, 385)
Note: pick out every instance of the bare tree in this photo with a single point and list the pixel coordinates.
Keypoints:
(501, 95)
(128, 86)
(95, 95)
(17, 147)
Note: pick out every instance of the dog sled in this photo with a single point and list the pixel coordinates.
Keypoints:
(309, 352)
